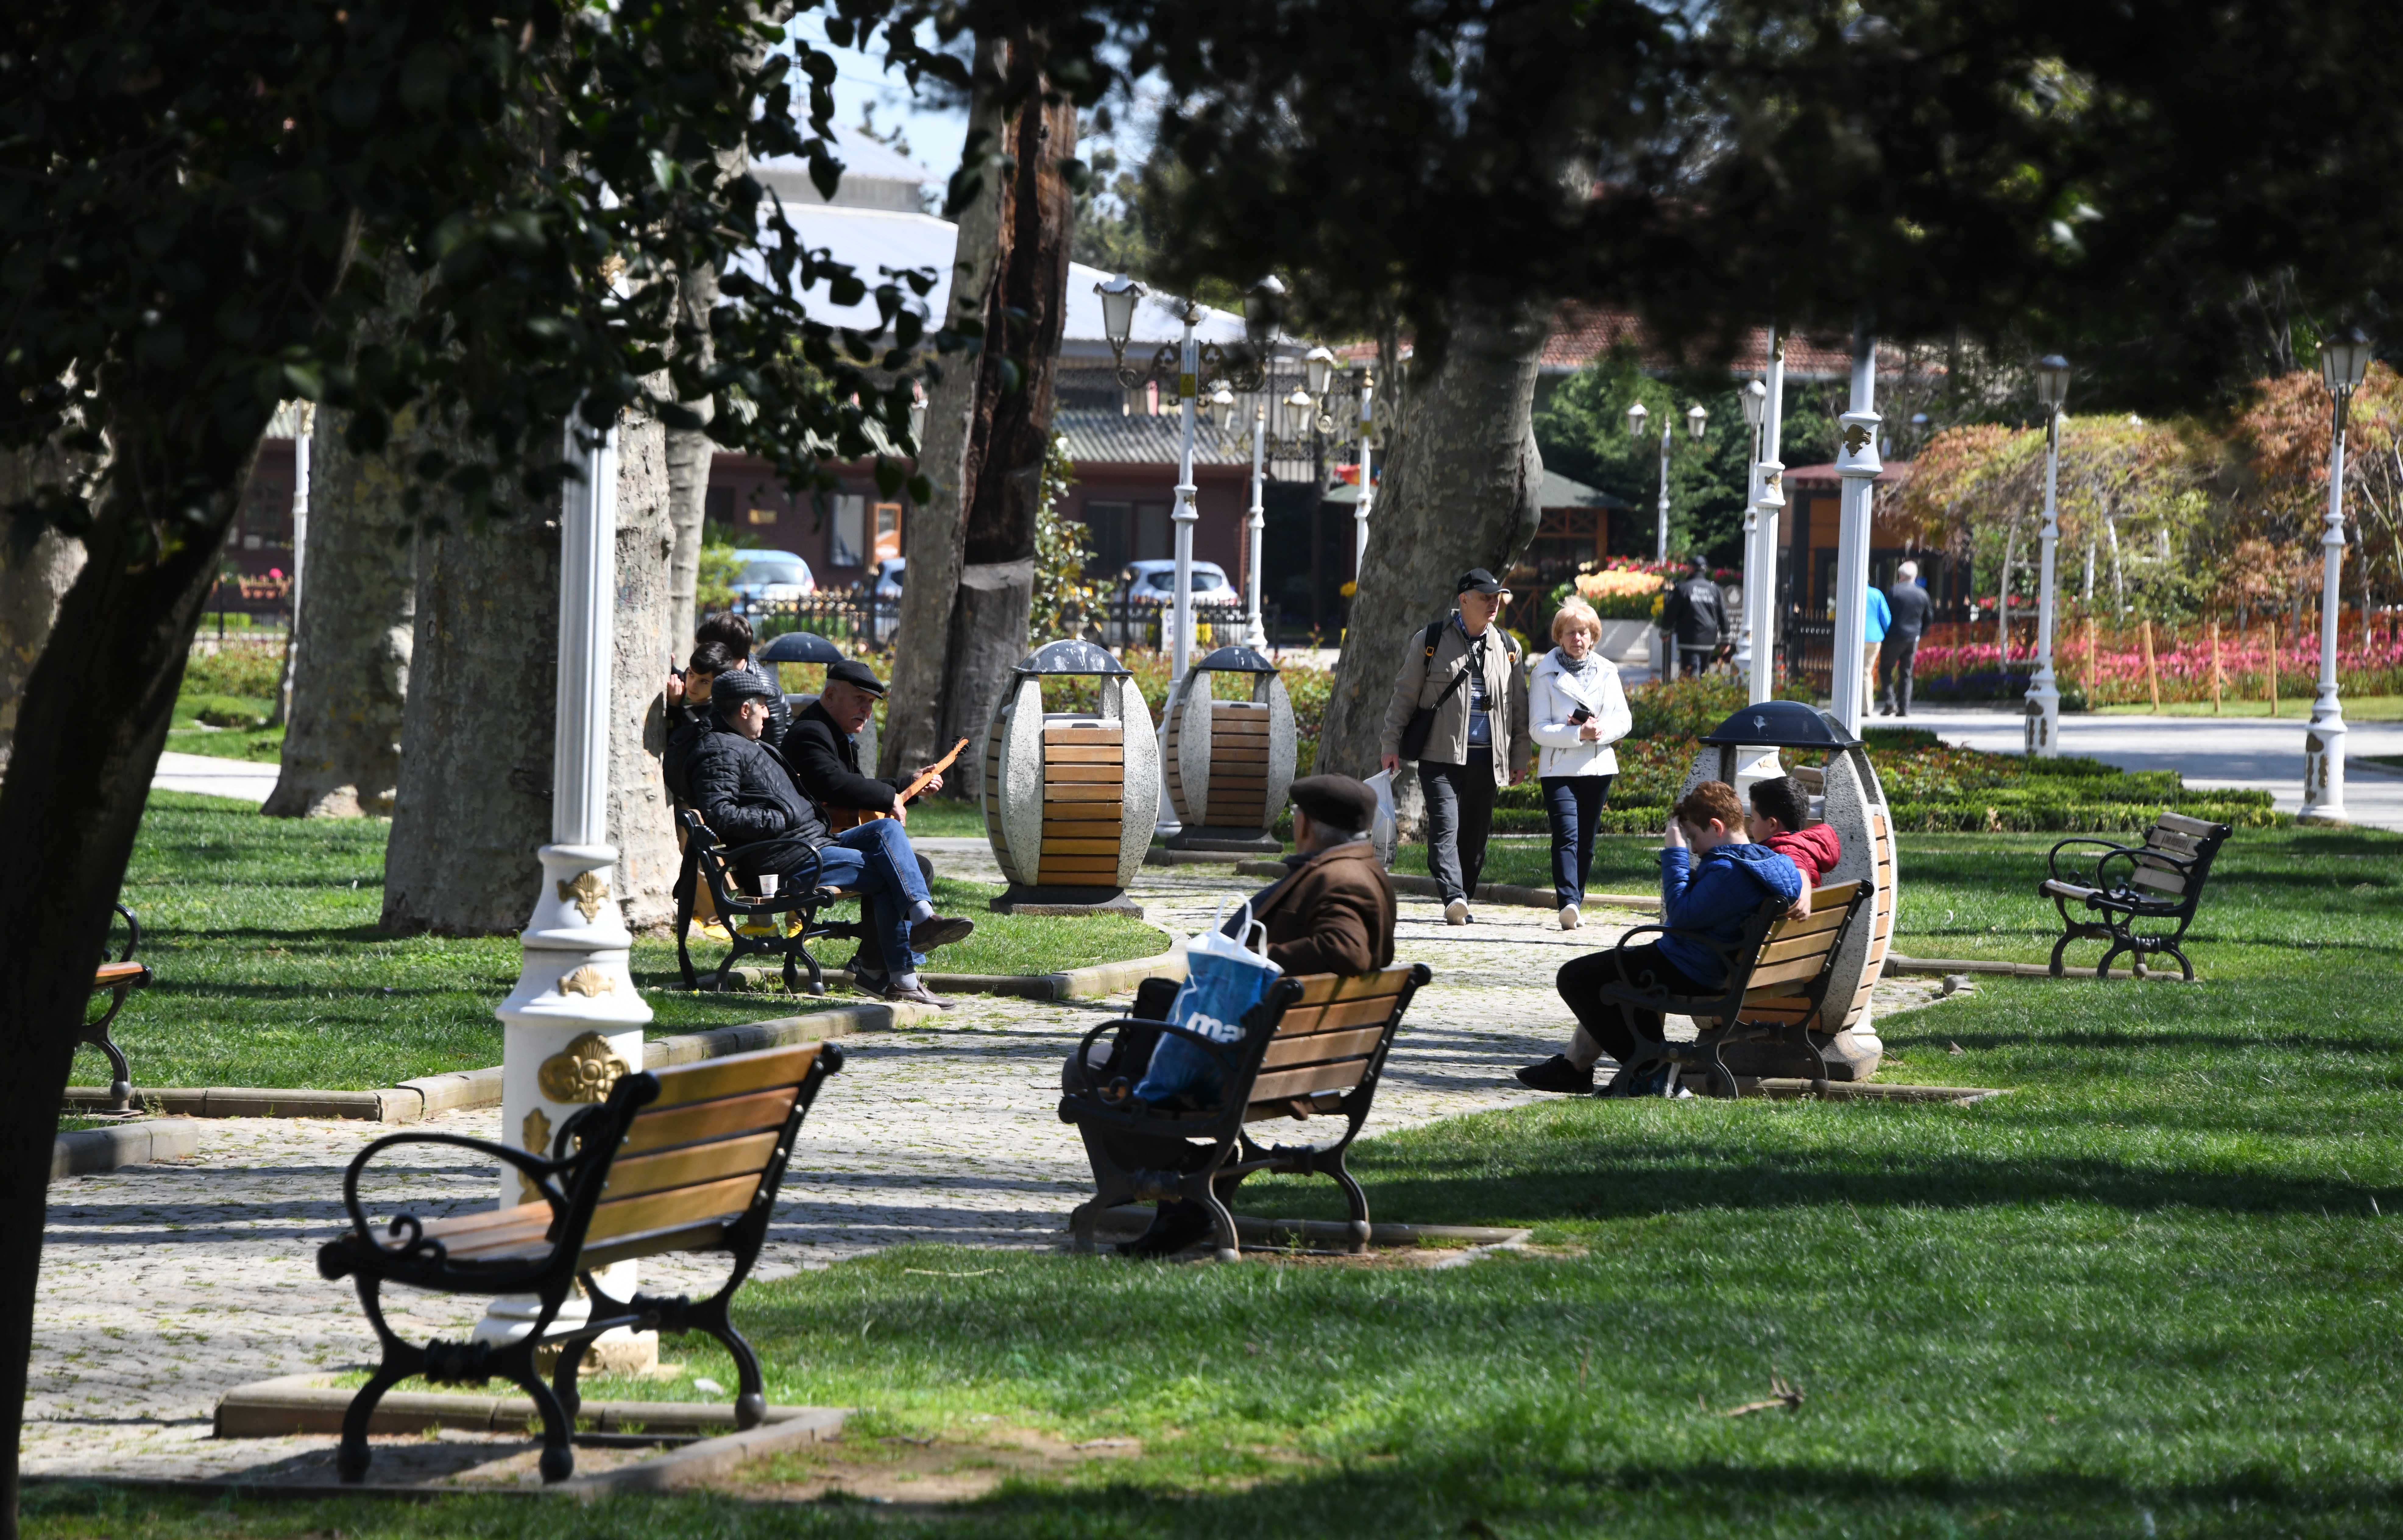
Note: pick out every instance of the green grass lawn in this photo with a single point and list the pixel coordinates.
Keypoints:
(234, 732)
(2152, 1291)
(272, 972)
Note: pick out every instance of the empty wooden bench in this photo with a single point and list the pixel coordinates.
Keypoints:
(781, 928)
(685, 1159)
(1315, 1048)
(120, 977)
(1776, 988)
(2155, 884)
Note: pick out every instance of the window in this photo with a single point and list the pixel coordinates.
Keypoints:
(718, 506)
(1106, 526)
(1152, 541)
(888, 531)
(850, 547)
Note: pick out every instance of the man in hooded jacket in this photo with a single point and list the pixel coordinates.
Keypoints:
(1712, 879)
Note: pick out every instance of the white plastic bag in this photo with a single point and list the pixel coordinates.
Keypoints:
(1380, 829)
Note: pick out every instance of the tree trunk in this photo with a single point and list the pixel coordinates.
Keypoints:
(641, 821)
(1461, 491)
(1012, 427)
(90, 724)
(473, 800)
(351, 640)
(932, 536)
(32, 584)
(689, 451)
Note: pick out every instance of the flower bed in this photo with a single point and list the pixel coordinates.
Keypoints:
(2182, 663)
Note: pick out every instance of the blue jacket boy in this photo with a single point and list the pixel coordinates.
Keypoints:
(1715, 897)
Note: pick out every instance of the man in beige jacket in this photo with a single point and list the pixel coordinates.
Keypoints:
(1466, 670)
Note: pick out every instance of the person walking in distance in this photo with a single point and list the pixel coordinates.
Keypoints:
(1575, 709)
(1908, 601)
(1695, 618)
(1459, 709)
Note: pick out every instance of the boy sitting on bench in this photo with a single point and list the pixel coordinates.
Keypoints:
(1713, 878)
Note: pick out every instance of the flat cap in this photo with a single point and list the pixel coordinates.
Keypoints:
(851, 671)
(729, 689)
(1337, 801)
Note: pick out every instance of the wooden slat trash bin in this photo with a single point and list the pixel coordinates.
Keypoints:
(1844, 1043)
(1070, 796)
(1229, 758)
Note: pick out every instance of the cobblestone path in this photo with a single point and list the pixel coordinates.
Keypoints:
(163, 1287)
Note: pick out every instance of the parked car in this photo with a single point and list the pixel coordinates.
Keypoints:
(770, 577)
(884, 597)
(1154, 582)
(886, 583)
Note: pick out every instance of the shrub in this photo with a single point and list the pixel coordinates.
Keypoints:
(236, 670)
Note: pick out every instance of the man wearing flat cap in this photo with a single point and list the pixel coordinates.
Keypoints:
(755, 799)
(1333, 910)
(1459, 708)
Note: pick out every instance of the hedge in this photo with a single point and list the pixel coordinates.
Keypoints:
(1994, 815)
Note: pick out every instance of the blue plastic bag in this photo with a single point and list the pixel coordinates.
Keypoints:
(1223, 979)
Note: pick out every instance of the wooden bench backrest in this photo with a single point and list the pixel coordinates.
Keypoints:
(1795, 951)
(2182, 839)
(696, 1156)
(1326, 1040)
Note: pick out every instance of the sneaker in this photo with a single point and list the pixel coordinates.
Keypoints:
(937, 930)
(1569, 917)
(917, 994)
(875, 985)
(1557, 1074)
(1456, 912)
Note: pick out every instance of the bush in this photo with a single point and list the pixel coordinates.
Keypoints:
(227, 710)
(253, 671)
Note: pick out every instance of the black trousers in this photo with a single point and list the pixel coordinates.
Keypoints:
(1573, 805)
(1897, 655)
(1605, 1021)
(1460, 815)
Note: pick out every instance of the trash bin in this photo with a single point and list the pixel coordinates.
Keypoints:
(1070, 796)
(1230, 758)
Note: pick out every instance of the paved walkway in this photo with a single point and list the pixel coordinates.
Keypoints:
(2255, 753)
(214, 777)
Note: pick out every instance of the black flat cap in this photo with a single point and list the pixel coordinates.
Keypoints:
(1478, 580)
(729, 689)
(851, 671)
(1337, 801)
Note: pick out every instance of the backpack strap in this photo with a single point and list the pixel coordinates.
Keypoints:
(1433, 634)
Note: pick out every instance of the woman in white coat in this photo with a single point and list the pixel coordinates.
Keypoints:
(1577, 710)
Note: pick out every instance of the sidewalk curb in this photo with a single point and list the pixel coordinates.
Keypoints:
(710, 1457)
(87, 1152)
(1254, 1230)
(413, 1100)
(298, 1404)
(1094, 981)
(1896, 962)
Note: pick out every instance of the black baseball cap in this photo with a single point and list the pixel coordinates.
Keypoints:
(851, 671)
(1478, 580)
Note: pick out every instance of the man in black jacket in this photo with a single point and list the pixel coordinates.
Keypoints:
(747, 794)
(689, 715)
(1695, 618)
(1899, 653)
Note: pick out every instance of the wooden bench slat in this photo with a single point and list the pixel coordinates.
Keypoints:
(443, 1230)
(1818, 920)
(1340, 1075)
(1078, 828)
(1313, 1047)
(657, 1242)
(1054, 791)
(1833, 896)
(736, 1075)
(663, 1129)
(1800, 970)
(1063, 775)
(2160, 880)
(1817, 943)
(1369, 1010)
(2178, 823)
(1385, 981)
(1079, 847)
(683, 1168)
(692, 1205)
(2173, 842)
(109, 974)
(1078, 733)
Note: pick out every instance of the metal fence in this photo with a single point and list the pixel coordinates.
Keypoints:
(861, 623)
(1807, 648)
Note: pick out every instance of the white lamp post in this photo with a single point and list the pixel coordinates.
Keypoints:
(2344, 361)
(1755, 400)
(1857, 463)
(1760, 576)
(1258, 634)
(575, 1023)
(1367, 386)
(2043, 696)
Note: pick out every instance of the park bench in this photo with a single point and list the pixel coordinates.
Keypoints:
(685, 1159)
(1776, 989)
(1314, 1047)
(2155, 884)
(120, 977)
(782, 926)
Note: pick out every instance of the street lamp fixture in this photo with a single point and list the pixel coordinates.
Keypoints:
(2344, 363)
(1755, 396)
(1696, 421)
(1119, 298)
(1636, 417)
(2044, 691)
(1318, 369)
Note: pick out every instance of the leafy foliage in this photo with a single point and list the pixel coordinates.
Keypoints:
(1582, 431)
(2285, 429)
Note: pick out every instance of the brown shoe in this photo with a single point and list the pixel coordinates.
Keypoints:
(917, 994)
(938, 930)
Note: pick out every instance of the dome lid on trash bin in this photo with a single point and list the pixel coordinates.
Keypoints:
(1782, 725)
(799, 647)
(1070, 657)
(1236, 660)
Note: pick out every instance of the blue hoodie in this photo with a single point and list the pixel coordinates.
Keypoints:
(1714, 899)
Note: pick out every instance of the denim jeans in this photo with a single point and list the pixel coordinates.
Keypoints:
(875, 861)
(1459, 815)
(1573, 804)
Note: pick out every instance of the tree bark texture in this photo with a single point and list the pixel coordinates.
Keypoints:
(353, 639)
(932, 537)
(689, 451)
(1009, 426)
(474, 798)
(1461, 491)
(32, 585)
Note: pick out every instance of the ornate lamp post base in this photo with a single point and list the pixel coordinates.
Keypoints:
(2044, 720)
(2323, 768)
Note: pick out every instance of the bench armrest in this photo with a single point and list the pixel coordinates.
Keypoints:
(133, 934)
(2091, 859)
(1726, 953)
(407, 1227)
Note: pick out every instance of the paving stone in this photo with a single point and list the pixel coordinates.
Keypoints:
(165, 1286)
